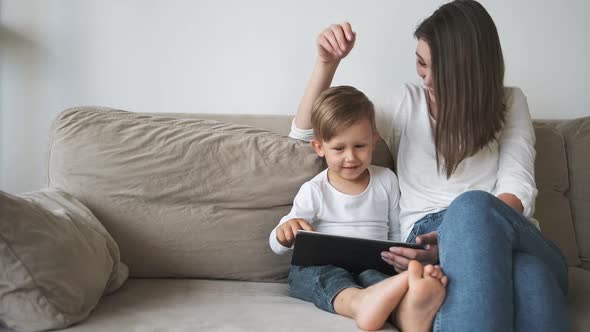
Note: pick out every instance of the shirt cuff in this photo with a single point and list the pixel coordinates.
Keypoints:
(278, 248)
(300, 134)
(525, 195)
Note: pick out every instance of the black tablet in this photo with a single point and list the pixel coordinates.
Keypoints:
(351, 253)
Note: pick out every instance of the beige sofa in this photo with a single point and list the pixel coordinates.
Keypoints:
(190, 202)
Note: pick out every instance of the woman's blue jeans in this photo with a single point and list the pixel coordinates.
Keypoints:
(503, 274)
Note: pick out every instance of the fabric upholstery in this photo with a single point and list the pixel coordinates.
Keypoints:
(179, 212)
(210, 305)
(552, 206)
(56, 258)
(182, 197)
(577, 143)
(280, 124)
(579, 298)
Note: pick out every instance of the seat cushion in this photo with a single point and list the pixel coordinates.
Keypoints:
(216, 305)
(209, 305)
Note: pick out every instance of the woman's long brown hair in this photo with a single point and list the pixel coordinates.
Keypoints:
(468, 74)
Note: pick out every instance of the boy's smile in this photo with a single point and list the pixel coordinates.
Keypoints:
(348, 155)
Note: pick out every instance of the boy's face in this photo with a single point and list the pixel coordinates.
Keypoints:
(349, 153)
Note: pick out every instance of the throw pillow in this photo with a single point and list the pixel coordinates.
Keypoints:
(56, 261)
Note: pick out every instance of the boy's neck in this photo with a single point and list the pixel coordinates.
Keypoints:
(348, 186)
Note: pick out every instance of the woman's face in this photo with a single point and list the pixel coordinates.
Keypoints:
(424, 66)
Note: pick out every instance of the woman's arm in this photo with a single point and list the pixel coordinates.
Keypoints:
(334, 43)
(394, 233)
(516, 164)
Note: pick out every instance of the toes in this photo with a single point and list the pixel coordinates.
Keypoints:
(444, 280)
(442, 273)
(437, 272)
(428, 270)
(415, 270)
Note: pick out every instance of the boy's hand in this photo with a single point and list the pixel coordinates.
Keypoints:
(286, 232)
(335, 42)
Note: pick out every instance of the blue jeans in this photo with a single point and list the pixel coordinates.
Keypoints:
(321, 284)
(503, 274)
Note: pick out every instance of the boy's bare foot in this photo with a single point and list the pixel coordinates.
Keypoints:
(375, 303)
(425, 295)
(372, 306)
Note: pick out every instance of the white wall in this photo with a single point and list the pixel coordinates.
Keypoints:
(243, 57)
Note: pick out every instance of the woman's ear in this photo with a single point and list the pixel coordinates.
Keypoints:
(317, 146)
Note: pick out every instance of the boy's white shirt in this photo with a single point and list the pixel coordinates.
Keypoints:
(373, 214)
(505, 166)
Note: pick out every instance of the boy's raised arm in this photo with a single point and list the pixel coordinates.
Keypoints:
(334, 43)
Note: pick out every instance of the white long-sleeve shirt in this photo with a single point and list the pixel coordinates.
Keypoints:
(504, 166)
(372, 214)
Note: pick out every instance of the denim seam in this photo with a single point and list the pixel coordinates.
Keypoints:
(546, 243)
(436, 327)
(437, 319)
(522, 226)
(318, 289)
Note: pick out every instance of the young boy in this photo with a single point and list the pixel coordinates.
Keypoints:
(354, 198)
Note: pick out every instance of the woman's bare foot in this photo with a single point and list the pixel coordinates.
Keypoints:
(425, 295)
(372, 306)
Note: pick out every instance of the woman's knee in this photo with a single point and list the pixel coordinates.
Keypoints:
(472, 207)
(473, 199)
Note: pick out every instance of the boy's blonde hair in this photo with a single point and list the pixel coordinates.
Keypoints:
(338, 108)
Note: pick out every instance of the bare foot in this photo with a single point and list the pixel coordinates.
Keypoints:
(423, 299)
(372, 306)
(378, 301)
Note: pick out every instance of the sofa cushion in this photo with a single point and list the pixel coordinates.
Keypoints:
(280, 124)
(182, 197)
(579, 298)
(57, 261)
(210, 305)
(577, 142)
(552, 206)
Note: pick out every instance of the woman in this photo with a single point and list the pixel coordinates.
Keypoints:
(464, 146)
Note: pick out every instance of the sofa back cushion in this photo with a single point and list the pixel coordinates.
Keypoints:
(182, 197)
(186, 195)
(551, 175)
(576, 134)
(281, 125)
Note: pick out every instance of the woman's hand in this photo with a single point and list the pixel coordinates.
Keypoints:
(399, 257)
(335, 42)
(287, 231)
(513, 201)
